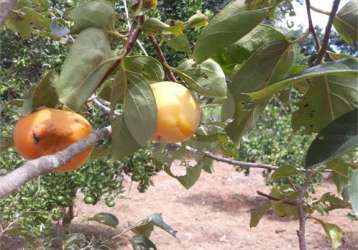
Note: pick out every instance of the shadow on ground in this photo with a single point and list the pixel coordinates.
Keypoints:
(230, 203)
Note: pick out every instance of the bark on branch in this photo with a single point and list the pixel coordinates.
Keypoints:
(162, 59)
(46, 164)
(327, 33)
(242, 164)
(5, 7)
(311, 26)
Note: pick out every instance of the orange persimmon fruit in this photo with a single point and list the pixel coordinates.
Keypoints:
(49, 130)
(178, 113)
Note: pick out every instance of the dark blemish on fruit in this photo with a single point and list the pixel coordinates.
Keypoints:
(35, 138)
(76, 120)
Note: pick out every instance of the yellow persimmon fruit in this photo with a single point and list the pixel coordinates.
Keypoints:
(47, 131)
(178, 114)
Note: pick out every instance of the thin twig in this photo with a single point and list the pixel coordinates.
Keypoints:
(132, 38)
(99, 104)
(318, 10)
(242, 164)
(310, 25)
(162, 59)
(129, 27)
(292, 203)
(327, 33)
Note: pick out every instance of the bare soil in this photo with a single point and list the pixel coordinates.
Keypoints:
(212, 215)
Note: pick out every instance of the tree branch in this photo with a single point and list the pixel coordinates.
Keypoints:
(100, 105)
(46, 164)
(5, 7)
(162, 59)
(318, 10)
(132, 38)
(242, 164)
(324, 46)
(301, 233)
(302, 217)
(129, 26)
(310, 25)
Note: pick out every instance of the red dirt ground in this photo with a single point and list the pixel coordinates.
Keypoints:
(214, 215)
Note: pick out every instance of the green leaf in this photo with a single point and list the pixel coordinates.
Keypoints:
(258, 213)
(332, 202)
(327, 98)
(24, 19)
(44, 94)
(191, 177)
(140, 109)
(192, 174)
(339, 173)
(267, 64)
(149, 67)
(281, 208)
(238, 52)
(344, 66)
(284, 171)
(207, 165)
(140, 242)
(333, 233)
(5, 143)
(114, 88)
(179, 43)
(100, 152)
(353, 189)
(337, 138)
(177, 28)
(346, 22)
(337, 56)
(84, 68)
(206, 78)
(123, 143)
(119, 88)
(98, 14)
(153, 26)
(197, 20)
(232, 23)
(105, 90)
(105, 219)
(146, 226)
